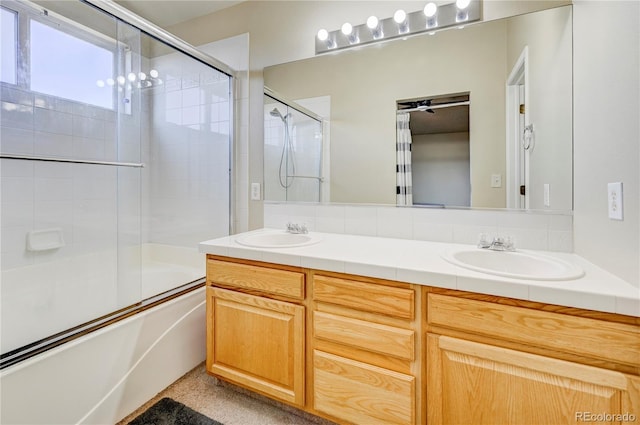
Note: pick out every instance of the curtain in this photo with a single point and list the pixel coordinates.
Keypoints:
(404, 195)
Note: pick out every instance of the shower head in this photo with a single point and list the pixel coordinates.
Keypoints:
(276, 113)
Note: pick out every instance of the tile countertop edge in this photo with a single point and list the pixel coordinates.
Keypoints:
(598, 290)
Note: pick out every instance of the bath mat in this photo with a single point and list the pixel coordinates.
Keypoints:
(170, 412)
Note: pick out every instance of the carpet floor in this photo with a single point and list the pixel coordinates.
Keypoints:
(226, 403)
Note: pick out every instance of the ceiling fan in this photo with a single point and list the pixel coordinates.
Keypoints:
(421, 105)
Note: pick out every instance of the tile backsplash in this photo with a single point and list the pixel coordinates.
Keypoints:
(530, 230)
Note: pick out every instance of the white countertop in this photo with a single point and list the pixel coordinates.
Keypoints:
(421, 262)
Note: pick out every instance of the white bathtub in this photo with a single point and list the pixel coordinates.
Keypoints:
(103, 376)
(46, 298)
(106, 375)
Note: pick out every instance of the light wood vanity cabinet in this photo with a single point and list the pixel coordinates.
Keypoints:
(253, 339)
(369, 351)
(489, 362)
(364, 350)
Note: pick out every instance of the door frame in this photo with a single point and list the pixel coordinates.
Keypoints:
(517, 156)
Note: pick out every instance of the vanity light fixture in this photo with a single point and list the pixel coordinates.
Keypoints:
(431, 11)
(373, 23)
(463, 13)
(323, 35)
(400, 18)
(401, 25)
(347, 30)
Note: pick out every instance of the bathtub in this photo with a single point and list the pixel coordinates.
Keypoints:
(103, 376)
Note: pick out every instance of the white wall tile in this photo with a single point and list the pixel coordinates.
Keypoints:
(330, 219)
(361, 220)
(51, 144)
(17, 116)
(191, 97)
(17, 189)
(394, 222)
(51, 121)
(529, 229)
(16, 140)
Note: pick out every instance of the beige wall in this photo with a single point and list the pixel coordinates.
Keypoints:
(606, 129)
(282, 31)
(548, 38)
(365, 84)
(440, 169)
(607, 132)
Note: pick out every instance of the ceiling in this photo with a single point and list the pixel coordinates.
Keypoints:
(165, 13)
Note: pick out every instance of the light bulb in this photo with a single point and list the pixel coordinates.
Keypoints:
(346, 28)
(121, 80)
(110, 81)
(131, 77)
(100, 83)
(400, 16)
(372, 22)
(323, 35)
(430, 10)
(142, 76)
(462, 4)
(153, 73)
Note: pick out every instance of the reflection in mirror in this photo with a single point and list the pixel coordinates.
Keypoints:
(364, 85)
(292, 152)
(433, 160)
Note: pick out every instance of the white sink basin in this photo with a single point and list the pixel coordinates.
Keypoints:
(278, 239)
(519, 265)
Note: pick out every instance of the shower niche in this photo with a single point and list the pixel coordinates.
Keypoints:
(439, 156)
(293, 149)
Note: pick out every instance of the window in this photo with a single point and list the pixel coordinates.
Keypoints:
(9, 29)
(66, 66)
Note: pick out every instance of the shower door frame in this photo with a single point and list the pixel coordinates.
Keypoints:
(52, 341)
(293, 105)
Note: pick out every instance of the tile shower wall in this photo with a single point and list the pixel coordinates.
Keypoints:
(539, 231)
(188, 151)
(81, 199)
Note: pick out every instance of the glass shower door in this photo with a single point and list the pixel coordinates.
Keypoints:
(293, 145)
(114, 164)
(70, 173)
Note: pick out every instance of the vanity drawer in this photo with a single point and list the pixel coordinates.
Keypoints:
(375, 337)
(364, 296)
(360, 393)
(255, 278)
(615, 342)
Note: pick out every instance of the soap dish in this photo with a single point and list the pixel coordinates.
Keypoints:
(45, 239)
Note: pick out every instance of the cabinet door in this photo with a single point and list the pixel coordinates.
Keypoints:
(256, 342)
(474, 383)
(361, 393)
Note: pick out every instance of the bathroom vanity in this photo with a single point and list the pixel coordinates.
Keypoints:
(321, 329)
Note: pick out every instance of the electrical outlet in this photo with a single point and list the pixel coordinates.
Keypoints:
(614, 198)
(496, 180)
(255, 191)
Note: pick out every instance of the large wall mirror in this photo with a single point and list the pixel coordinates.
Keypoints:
(517, 73)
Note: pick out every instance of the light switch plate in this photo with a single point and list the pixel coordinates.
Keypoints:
(614, 199)
(547, 198)
(496, 180)
(255, 191)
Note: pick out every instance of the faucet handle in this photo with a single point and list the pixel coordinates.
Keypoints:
(509, 244)
(483, 242)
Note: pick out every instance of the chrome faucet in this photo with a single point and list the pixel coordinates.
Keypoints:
(498, 243)
(297, 228)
